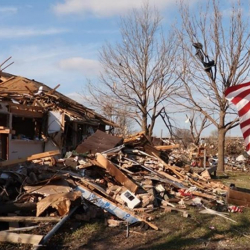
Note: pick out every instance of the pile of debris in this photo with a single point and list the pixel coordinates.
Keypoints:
(128, 178)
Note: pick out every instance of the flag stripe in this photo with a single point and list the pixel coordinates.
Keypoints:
(242, 103)
(231, 95)
(235, 88)
(246, 133)
(244, 109)
(245, 129)
(239, 95)
(245, 123)
(248, 148)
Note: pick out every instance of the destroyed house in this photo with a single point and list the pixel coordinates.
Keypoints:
(35, 118)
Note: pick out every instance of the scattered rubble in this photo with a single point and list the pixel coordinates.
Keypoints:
(128, 181)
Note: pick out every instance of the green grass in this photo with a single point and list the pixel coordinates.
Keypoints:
(240, 179)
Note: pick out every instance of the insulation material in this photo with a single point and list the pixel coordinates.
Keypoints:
(55, 121)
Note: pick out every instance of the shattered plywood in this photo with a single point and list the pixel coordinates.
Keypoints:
(54, 187)
(61, 202)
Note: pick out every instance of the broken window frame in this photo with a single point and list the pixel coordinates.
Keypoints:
(36, 135)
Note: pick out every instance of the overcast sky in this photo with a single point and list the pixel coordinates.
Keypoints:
(57, 42)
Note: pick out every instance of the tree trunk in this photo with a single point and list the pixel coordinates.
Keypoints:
(145, 123)
(221, 149)
(151, 128)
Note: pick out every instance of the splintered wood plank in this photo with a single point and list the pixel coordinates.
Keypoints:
(167, 147)
(7, 131)
(117, 173)
(170, 176)
(54, 89)
(151, 150)
(24, 107)
(32, 239)
(30, 158)
(203, 195)
(174, 169)
(27, 113)
(29, 219)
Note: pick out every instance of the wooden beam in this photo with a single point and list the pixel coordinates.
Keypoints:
(117, 173)
(29, 158)
(167, 147)
(53, 90)
(32, 239)
(29, 219)
(7, 131)
(175, 169)
(25, 107)
(203, 195)
(31, 93)
(27, 113)
(172, 178)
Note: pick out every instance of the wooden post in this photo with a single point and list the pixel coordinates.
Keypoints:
(205, 158)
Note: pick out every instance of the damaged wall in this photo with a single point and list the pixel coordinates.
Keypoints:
(21, 148)
(16, 145)
(41, 118)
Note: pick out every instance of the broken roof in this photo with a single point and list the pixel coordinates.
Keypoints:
(99, 142)
(29, 92)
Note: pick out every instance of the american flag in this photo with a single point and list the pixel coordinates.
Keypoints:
(239, 95)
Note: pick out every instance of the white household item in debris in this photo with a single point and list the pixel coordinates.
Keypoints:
(40, 90)
(240, 158)
(131, 200)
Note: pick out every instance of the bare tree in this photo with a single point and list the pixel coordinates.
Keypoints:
(119, 115)
(197, 123)
(225, 36)
(138, 72)
(183, 135)
(214, 134)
